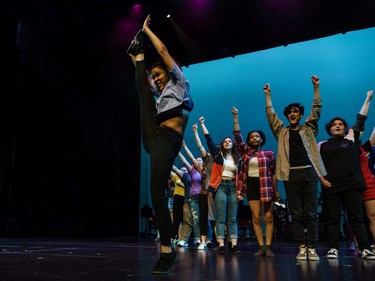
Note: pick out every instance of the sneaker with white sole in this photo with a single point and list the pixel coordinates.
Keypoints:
(312, 255)
(368, 255)
(332, 254)
(302, 254)
(197, 242)
(202, 246)
(182, 243)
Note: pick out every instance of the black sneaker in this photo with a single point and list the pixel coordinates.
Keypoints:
(136, 46)
(235, 251)
(221, 250)
(165, 262)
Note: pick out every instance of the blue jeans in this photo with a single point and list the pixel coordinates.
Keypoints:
(226, 206)
(302, 195)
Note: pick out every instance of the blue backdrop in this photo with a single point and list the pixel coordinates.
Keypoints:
(345, 64)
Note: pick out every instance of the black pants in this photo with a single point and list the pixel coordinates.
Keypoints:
(163, 145)
(203, 213)
(178, 213)
(351, 200)
(302, 194)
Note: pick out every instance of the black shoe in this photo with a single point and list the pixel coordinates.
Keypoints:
(235, 251)
(165, 262)
(221, 250)
(136, 46)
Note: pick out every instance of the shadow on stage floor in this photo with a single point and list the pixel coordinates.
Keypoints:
(133, 259)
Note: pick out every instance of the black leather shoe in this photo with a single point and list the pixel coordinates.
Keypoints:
(136, 46)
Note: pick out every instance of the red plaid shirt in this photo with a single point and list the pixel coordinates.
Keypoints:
(266, 162)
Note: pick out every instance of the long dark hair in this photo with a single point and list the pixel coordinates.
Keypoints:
(236, 156)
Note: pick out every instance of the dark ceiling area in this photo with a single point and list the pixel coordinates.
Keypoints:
(204, 30)
(233, 27)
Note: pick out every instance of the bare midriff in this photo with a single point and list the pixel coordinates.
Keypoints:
(177, 123)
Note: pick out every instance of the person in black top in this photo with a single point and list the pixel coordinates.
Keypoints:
(340, 155)
(299, 166)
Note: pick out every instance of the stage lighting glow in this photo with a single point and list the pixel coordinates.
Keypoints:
(136, 10)
(202, 2)
(201, 9)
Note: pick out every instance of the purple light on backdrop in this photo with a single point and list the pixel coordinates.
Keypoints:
(136, 10)
(199, 7)
(281, 2)
(126, 28)
(205, 4)
(201, 1)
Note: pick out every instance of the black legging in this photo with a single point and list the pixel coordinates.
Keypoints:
(178, 207)
(203, 213)
(163, 145)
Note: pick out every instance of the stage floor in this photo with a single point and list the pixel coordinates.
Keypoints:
(133, 259)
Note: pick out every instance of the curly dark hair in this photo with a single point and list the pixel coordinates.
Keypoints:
(262, 136)
(290, 106)
(159, 63)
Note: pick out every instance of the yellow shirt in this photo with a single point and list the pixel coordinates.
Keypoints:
(179, 187)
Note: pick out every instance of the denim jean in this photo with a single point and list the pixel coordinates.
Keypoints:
(211, 207)
(226, 207)
(163, 145)
(302, 195)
